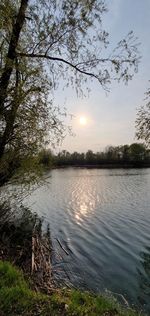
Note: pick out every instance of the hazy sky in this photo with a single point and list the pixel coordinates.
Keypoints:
(111, 119)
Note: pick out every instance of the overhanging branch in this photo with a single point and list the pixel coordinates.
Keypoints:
(44, 56)
(112, 60)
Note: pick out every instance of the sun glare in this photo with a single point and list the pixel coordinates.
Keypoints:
(83, 120)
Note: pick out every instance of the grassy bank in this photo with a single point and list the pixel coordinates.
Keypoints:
(23, 283)
(16, 298)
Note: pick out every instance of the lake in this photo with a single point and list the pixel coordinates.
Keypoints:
(101, 219)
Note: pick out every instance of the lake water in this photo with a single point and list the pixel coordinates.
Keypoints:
(101, 217)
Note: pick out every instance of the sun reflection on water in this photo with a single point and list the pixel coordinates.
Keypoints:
(83, 202)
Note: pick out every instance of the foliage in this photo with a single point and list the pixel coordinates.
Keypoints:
(127, 154)
(17, 299)
(143, 121)
(46, 158)
(44, 44)
(137, 151)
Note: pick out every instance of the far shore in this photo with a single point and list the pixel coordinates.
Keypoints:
(106, 166)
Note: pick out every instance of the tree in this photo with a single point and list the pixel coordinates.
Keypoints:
(44, 43)
(90, 157)
(125, 152)
(110, 152)
(46, 158)
(137, 152)
(143, 121)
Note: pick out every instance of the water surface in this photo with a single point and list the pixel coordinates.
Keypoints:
(102, 219)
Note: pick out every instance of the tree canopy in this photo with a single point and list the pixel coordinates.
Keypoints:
(44, 43)
(143, 121)
(132, 155)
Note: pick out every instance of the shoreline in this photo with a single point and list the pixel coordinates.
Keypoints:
(104, 166)
(27, 284)
(18, 299)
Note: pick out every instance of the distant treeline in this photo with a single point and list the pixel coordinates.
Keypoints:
(19, 167)
(127, 155)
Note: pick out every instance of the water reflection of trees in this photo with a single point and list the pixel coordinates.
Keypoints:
(144, 279)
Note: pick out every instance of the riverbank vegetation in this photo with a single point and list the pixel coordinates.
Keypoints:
(134, 155)
(25, 169)
(16, 299)
(25, 243)
(27, 283)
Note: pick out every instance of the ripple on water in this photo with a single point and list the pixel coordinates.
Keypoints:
(102, 218)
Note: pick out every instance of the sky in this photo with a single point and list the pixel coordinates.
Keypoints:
(111, 118)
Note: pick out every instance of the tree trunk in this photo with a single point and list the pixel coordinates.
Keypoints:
(5, 78)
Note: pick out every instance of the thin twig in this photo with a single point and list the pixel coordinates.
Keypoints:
(67, 253)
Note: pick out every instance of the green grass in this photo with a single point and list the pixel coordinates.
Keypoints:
(16, 298)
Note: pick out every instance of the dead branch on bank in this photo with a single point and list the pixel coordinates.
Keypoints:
(23, 243)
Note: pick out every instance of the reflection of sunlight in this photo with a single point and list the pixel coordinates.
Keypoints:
(83, 204)
(82, 212)
(83, 209)
(77, 218)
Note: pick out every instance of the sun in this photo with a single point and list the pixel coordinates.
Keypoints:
(83, 120)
